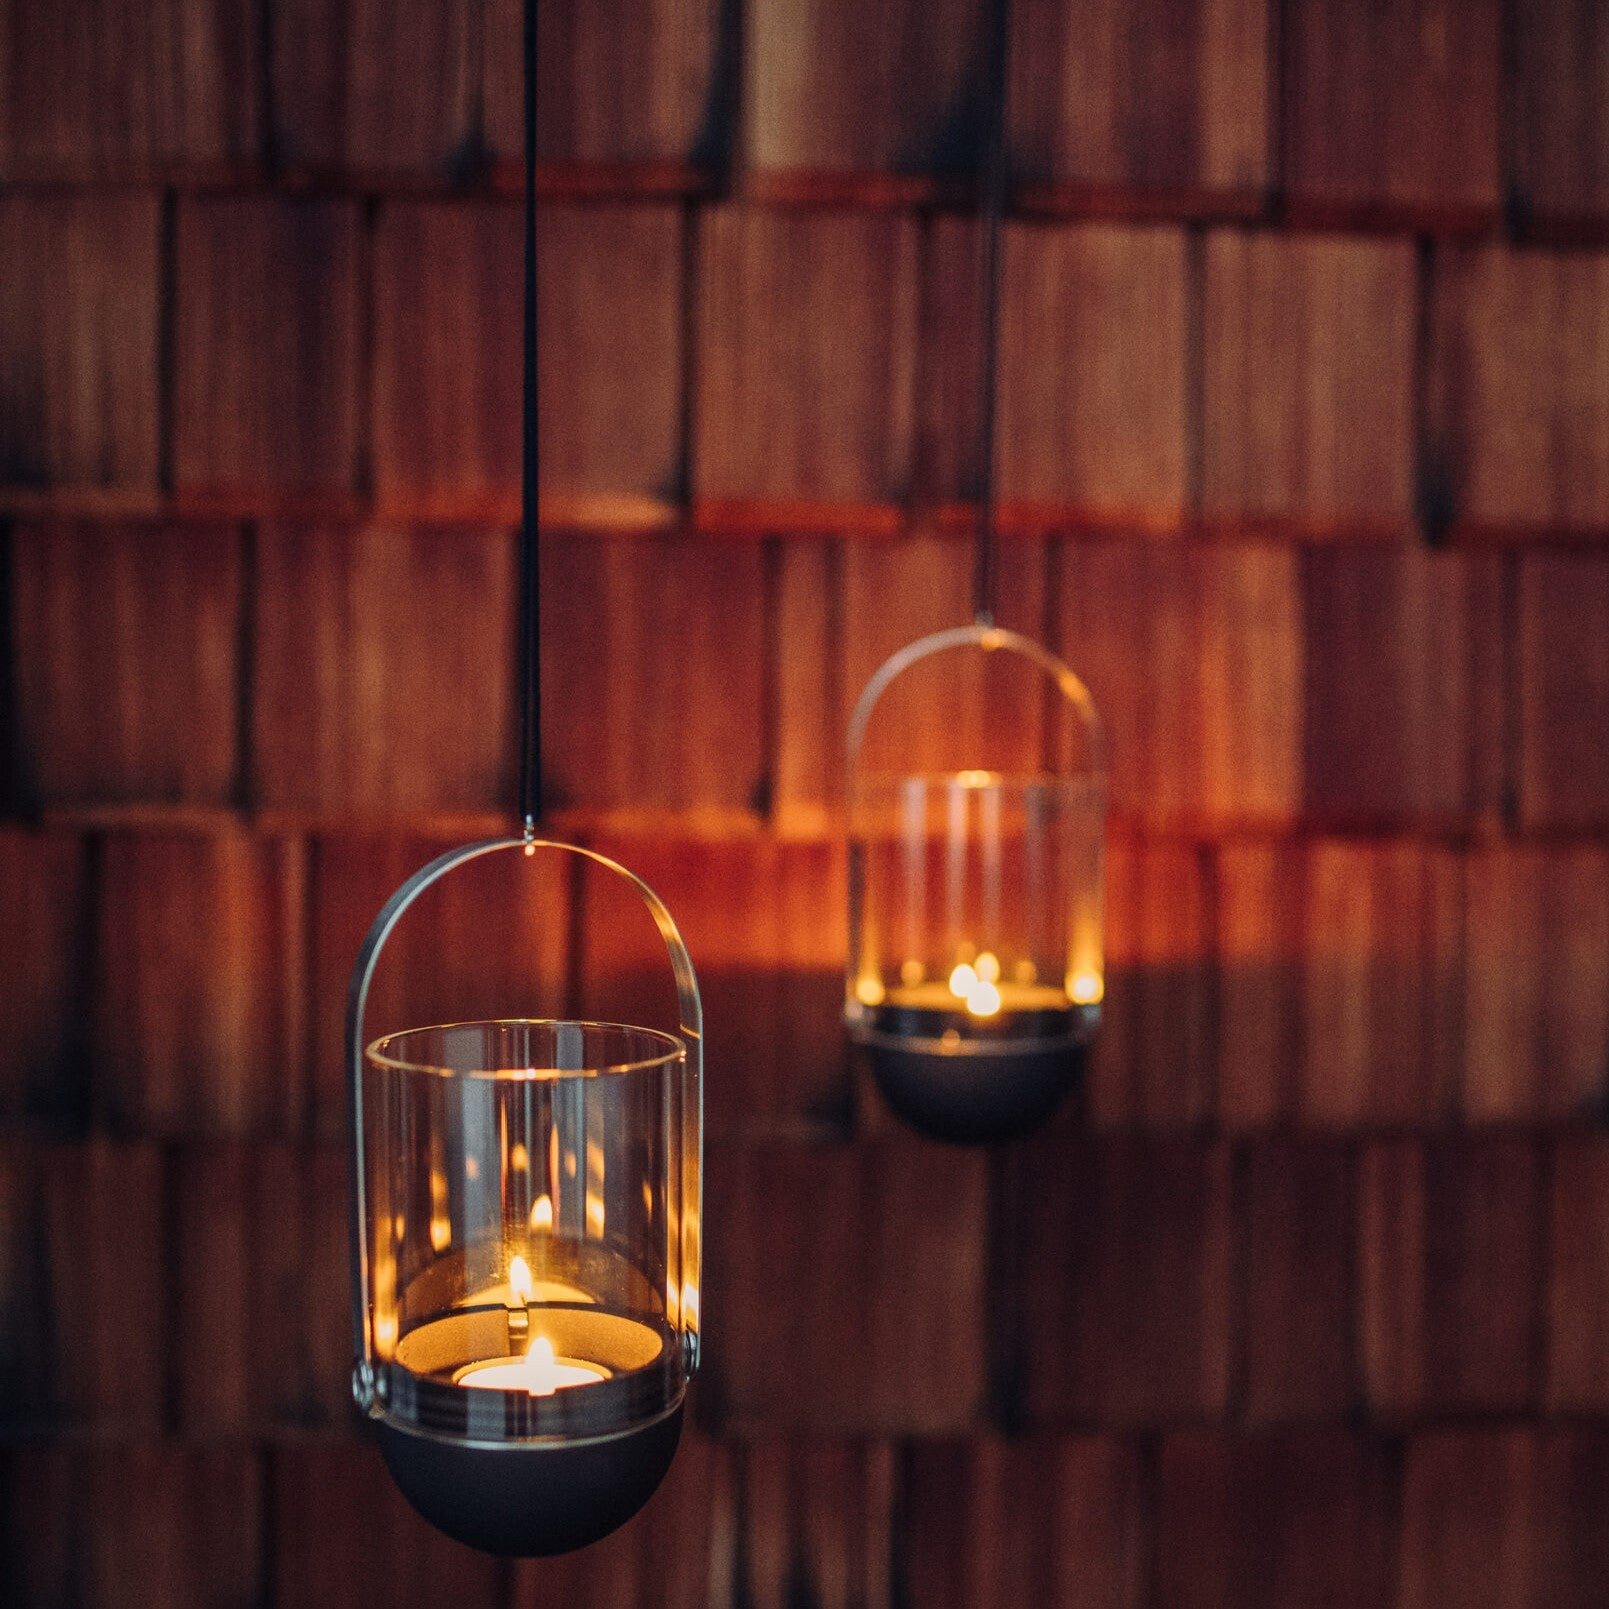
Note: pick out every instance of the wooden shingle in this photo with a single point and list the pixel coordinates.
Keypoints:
(1578, 1278)
(1561, 111)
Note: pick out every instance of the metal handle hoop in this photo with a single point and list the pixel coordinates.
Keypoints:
(991, 639)
(690, 1008)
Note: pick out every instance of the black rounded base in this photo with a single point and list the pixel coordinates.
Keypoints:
(526, 1499)
(977, 1097)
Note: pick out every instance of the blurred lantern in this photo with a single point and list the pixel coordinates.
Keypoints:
(977, 807)
(526, 1189)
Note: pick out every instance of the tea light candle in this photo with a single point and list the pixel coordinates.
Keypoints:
(539, 1373)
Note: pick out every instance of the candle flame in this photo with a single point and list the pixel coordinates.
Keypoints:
(519, 1280)
(984, 999)
(543, 1366)
(542, 1212)
(963, 981)
(519, 1159)
(869, 991)
(441, 1232)
(988, 967)
(1086, 987)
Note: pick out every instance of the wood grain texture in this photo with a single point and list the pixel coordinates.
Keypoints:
(630, 82)
(100, 1228)
(366, 86)
(990, 1524)
(1382, 987)
(819, 1524)
(1536, 983)
(90, 90)
(804, 387)
(807, 775)
(78, 342)
(1169, 99)
(1449, 1274)
(610, 355)
(1123, 1280)
(132, 1525)
(1294, 1205)
(873, 1251)
(884, 89)
(491, 939)
(26, 1357)
(1404, 706)
(1153, 1063)
(384, 668)
(113, 707)
(1563, 673)
(1561, 110)
(1308, 383)
(265, 386)
(1518, 390)
(342, 1533)
(1577, 1277)
(1258, 907)
(199, 1027)
(765, 923)
(653, 656)
(260, 1296)
(1393, 110)
(1300, 1518)
(1092, 388)
(1194, 656)
(43, 956)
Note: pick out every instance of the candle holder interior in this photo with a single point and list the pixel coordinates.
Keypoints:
(977, 826)
(528, 1212)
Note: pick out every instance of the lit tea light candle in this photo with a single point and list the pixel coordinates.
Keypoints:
(539, 1373)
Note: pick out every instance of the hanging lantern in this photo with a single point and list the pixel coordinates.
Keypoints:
(975, 963)
(525, 1247)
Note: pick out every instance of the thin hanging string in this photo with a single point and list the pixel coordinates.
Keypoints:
(530, 584)
(985, 571)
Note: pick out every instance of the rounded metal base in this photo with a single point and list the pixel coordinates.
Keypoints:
(976, 1097)
(530, 1499)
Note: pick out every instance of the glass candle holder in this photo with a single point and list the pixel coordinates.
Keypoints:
(976, 969)
(526, 1255)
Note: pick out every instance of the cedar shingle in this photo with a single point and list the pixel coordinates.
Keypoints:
(1152, 1063)
(1165, 99)
(1393, 109)
(808, 326)
(78, 342)
(1295, 1211)
(1092, 387)
(1194, 656)
(43, 958)
(266, 348)
(866, 89)
(1382, 989)
(872, 1252)
(89, 89)
(363, 85)
(116, 705)
(1308, 382)
(653, 648)
(807, 777)
(632, 82)
(1536, 982)
(1563, 691)
(1123, 1284)
(1404, 703)
(1571, 1518)
(200, 1022)
(1578, 1278)
(1265, 1522)
(818, 1524)
(384, 669)
(1560, 108)
(1519, 389)
(992, 1524)
(141, 1525)
(1448, 1275)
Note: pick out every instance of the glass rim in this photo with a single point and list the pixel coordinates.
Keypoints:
(375, 1052)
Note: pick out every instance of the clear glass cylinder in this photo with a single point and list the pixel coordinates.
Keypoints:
(526, 1231)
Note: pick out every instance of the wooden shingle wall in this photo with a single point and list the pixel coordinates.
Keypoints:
(1304, 462)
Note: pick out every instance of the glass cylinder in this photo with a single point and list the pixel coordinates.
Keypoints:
(976, 842)
(526, 1249)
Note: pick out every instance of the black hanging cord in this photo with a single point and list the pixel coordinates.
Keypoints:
(991, 212)
(530, 583)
